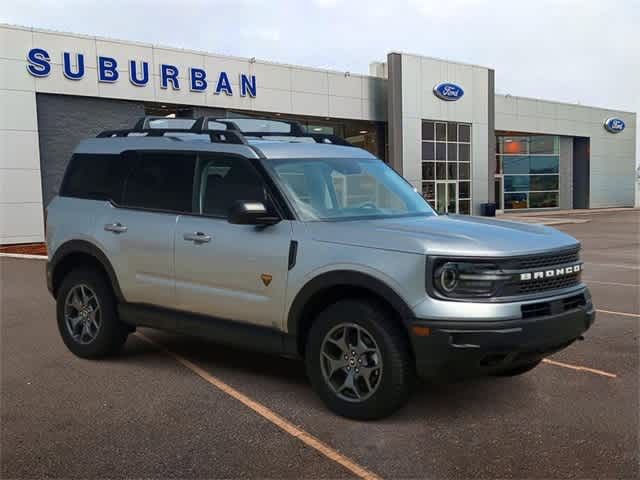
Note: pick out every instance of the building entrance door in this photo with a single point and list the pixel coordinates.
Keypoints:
(447, 196)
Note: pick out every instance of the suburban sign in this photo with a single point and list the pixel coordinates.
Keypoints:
(448, 91)
(109, 70)
(614, 125)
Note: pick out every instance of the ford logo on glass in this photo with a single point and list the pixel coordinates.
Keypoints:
(448, 91)
(614, 125)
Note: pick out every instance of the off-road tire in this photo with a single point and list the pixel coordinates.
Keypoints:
(398, 370)
(112, 333)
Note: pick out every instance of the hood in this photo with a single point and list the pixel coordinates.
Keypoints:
(444, 235)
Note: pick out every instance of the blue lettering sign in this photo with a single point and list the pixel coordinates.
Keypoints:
(39, 62)
(133, 73)
(74, 68)
(197, 77)
(169, 73)
(107, 70)
(223, 85)
(247, 85)
(67, 67)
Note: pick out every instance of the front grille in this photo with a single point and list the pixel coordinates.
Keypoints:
(537, 263)
(544, 284)
(544, 260)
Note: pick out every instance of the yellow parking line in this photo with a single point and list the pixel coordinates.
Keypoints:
(269, 415)
(579, 368)
(624, 314)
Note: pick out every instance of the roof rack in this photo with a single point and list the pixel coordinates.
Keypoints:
(295, 131)
(231, 133)
(144, 127)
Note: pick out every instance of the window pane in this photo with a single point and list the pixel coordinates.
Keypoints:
(464, 133)
(543, 200)
(515, 200)
(441, 151)
(452, 152)
(516, 183)
(161, 181)
(452, 171)
(428, 190)
(441, 131)
(514, 145)
(427, 131)
(452, 132)
(428, 151)
(464, 189)
(544, 182)
(223, 182)
(543, 144)
(428, 170)
(441, 171)
(464, 171)
(464, 152)
(465, 207)
(544, 164)
(96, 177)
(515, 165)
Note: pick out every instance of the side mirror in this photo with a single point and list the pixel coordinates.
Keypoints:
(251, 213)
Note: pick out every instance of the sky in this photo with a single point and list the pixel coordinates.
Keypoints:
(579, 51)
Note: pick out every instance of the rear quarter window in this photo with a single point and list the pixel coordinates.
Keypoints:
(95, 177)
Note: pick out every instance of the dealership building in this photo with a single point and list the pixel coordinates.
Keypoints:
(439, 123)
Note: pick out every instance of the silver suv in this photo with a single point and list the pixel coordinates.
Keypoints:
(260, 235)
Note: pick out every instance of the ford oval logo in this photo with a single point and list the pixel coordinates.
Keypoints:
(614, 125)
(448, 91)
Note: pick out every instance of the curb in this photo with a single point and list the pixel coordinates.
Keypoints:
(23, 256)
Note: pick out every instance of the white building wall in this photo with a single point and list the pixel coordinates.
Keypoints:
(419, 76)
(20, 181)
(612, 156)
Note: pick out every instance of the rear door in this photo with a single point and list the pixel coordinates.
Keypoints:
(235, 272)
(137, 229)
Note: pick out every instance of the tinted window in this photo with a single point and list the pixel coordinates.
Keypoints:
(160, 181)
(224, 181)
(95, 177)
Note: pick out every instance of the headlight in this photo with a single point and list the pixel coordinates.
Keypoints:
(466, 279)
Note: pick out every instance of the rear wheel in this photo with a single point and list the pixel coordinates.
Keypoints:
(519, 370)
(87, 318)
(358, 360)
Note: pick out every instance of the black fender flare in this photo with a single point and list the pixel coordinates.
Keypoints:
(72, 247)
(344, 278)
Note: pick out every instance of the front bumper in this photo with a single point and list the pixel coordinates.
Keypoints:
(465, 348)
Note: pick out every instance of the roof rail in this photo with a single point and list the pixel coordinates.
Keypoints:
(231, 133)
(143, 127)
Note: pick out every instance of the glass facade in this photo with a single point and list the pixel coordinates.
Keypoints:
(446, 166)
(529, 167)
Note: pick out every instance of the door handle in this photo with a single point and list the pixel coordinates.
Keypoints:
(197, 237)
(115, 227)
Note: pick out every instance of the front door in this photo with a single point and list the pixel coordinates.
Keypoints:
(234, 272)
(447, 197)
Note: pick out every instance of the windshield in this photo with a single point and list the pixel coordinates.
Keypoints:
(346, 188)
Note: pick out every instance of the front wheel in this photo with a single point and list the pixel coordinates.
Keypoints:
(358, 360)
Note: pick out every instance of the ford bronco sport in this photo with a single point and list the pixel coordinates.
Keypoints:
(299, 244)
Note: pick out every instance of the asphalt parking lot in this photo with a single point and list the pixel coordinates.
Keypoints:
(174, 408)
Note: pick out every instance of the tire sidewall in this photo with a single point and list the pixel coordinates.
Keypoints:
(395, 381)
(111, 332)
